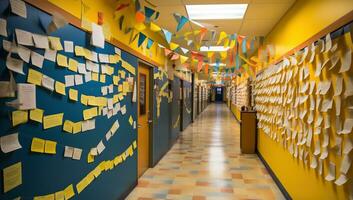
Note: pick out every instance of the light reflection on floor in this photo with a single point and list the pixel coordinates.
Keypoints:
(206, 163)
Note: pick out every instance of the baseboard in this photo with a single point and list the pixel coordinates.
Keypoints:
(274, 177)
(128, 191)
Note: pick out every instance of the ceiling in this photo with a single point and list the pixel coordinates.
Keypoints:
(261, 16)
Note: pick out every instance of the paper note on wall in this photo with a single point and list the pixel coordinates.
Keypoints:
(36, 115)
(19, 117)
(10, 143)
(50, 147)
(97, 38)
(26, 96)
(37, 145)
(51, 121)
(12, 176)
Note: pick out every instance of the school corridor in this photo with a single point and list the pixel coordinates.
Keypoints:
(206, 163)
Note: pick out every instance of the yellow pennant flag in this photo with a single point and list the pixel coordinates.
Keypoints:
(210, 54)
(183, 59)
(226, 43)
(222, 36)
(173, 46)
(154, 27)
(223, 54)
(140, 26)
(232, 44)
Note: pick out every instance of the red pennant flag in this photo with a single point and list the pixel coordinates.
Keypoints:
(121, 6)
(203, 32)
(140, 17)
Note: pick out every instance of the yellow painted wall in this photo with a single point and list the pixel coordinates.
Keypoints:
(74, 7)
(303, 20)
(235, 111)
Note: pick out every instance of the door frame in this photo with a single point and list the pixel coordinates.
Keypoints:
(151, 109)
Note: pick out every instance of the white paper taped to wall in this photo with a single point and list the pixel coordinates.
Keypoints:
(10, 143)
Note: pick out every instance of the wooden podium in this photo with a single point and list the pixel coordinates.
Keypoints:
(248, 132)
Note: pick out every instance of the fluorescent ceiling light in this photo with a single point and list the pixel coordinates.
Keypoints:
(215, 64)
(216, 11)
(213, 48)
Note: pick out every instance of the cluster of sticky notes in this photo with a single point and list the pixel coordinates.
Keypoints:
(67, 193)
(107, 89)
(50, 121)
(72, 152)
(43, 146)
(72, 127)
(12, 176)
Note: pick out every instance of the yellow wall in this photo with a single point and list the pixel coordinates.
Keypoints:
(302, 21)
(305, 19)
(108, 7)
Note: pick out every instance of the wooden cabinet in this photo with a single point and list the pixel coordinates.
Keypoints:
(248, 132)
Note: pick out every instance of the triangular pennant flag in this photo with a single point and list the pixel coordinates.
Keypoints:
(121, 6)
(206, 68)
(203, 32)
(137, 5)
(185, 51)
(223, 54)
(154, 27)
(140, 27)
(149, 43)
(199, 65)
(177, 17)
(243, 45)
(175, 56)
(226, 43)
(149, 12)
(156, 16)
(142, 38)
(182, 22)
(213, 35)
(222, 36)
(237, 62)
(140, 17)
(183, 59)
(210, 54)
(173, 46)
(121, 21)
(167, 51)
(167, 35)
(189, 42)
(133, 36)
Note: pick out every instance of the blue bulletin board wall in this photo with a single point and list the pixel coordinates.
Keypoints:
(187, 104)
(175, 110)
(44, 174)
(161, 113)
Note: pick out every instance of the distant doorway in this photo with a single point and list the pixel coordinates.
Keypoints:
(219, 94)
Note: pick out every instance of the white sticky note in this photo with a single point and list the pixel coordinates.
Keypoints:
(313, 162)
(24, 37)
(69, 151)
(111, 88)
(18, 7)
(81, 68)
(97, 38)
(346, 164)
(123, 110)
(69, 80)
(14, 64)
(24, 53)
(103, 58)
(104, 90)
(117, 51)
(347, 127)
(341, 180)
(3, 27)
(37, 59)
(108, 135)
(100, 147)
(50, 55)
(94, 151)
(69, 46)
(348, 145)
(348, 87)
(346, 61)
(88, 77)
(339, 86)
(10, 143)
(78, 79)
(48, 82)
(328, 43)
(77, 154)
(41, 41)
(26, 96)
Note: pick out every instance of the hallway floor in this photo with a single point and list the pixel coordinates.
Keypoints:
(206, 163)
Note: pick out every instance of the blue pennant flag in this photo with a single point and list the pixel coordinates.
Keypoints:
(243, 45)
(167, 35)
(149, 12)
(182, 22)
(237, 61)
(149, 43)
(142, 38)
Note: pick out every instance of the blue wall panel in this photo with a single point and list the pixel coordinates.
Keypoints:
(161, 123)
(44, 174)
(187, 104)
(175, 110)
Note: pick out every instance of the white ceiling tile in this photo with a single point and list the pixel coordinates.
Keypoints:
(266, 11)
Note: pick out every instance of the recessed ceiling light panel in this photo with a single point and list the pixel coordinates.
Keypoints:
(216, 11)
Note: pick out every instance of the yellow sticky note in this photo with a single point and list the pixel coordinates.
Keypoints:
(19, 117)
(90, 158)
(122, 74)
(97, 171)
(76, 127)
(115, 98)
(84, 99)
(117, 160)
(126, 87)
(94, 76)
(55, 43)
(69, 192)
(102, 78)
(45, 197)
(114, 58)
(61, 60)
(36, 115)
(60, 87)
(89, 113)
(50, 147)
(116, 80)
(12, 176)
(51, 121)
(73, 94)
(79, 51)
(34, 77)
(131, 120)
(101, 101)
(120, 88)
(110, 70)
(73, 65)
(134, 144)
(37, 145)
(68, 126)
(88, 54)
(60, 195)
(128, 67)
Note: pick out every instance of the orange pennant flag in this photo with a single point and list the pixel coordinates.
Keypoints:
(140, 17)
